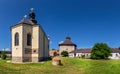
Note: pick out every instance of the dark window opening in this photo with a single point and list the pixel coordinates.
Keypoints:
(116, 55)
(16, 39)
(29, 40)
(34, 51)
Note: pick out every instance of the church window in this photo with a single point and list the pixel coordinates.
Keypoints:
(16, 39)
(29, 40)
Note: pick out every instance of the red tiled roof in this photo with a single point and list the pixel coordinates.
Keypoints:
(88, 50)
(114, 50)
(81, 51)
(68, 42)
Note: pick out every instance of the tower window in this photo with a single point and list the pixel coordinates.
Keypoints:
(29, 39)
(16, 39)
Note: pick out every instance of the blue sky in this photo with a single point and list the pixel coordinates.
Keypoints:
(85, 21)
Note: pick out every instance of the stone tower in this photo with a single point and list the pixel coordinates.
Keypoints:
(67, 45)
(29, 41)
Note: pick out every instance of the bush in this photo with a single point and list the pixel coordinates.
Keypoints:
(100, 51)
(82, 56)
(64, 53)
(3, 55)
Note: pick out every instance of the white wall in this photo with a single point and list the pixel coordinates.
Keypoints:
(87, 55)
(71, 55)
(115, 56)
(67, 48)
(16, 49)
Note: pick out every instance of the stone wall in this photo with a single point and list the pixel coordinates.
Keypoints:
(67, 48)
(17, 59)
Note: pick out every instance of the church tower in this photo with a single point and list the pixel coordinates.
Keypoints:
(67, 45)
(29, 41)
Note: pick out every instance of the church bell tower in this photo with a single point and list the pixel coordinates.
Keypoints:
(29, 41)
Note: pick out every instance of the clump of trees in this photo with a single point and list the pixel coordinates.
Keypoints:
(64, 54)
(3, 55)
(100, 51)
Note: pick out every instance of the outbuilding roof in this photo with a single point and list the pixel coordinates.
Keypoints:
(88, 50)
(115, 50)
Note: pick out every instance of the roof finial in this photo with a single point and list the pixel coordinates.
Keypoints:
(68, 37)
(32, 9)
(48, 37)
(25, 16)
(32, 16)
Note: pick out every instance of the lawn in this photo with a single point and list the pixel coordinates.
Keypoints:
(70, 66)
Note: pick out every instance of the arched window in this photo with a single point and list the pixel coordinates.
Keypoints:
(16, 39)
(29, 39)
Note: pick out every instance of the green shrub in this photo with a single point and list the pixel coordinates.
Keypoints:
(100, 51)
(64, 54)
(82, 56)
(3, 55)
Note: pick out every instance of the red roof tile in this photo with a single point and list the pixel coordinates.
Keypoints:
(81, 51)
(115, 50)
(88, 50)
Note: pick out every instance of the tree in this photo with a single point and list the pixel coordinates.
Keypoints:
(3, 55)
(64, 53)
(100, 51)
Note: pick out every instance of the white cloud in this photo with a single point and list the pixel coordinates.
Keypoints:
(6, 49)
(61, 42)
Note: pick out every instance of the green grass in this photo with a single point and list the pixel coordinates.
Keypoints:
(70, 66)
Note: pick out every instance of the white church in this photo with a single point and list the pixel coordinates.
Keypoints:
(115, 54)
(29, 41)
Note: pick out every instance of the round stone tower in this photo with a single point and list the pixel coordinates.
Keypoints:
(67, 45)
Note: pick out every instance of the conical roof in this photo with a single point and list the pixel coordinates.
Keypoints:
(67, 42)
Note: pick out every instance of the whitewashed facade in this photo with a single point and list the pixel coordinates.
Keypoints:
(115, 56)
(87, 52)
